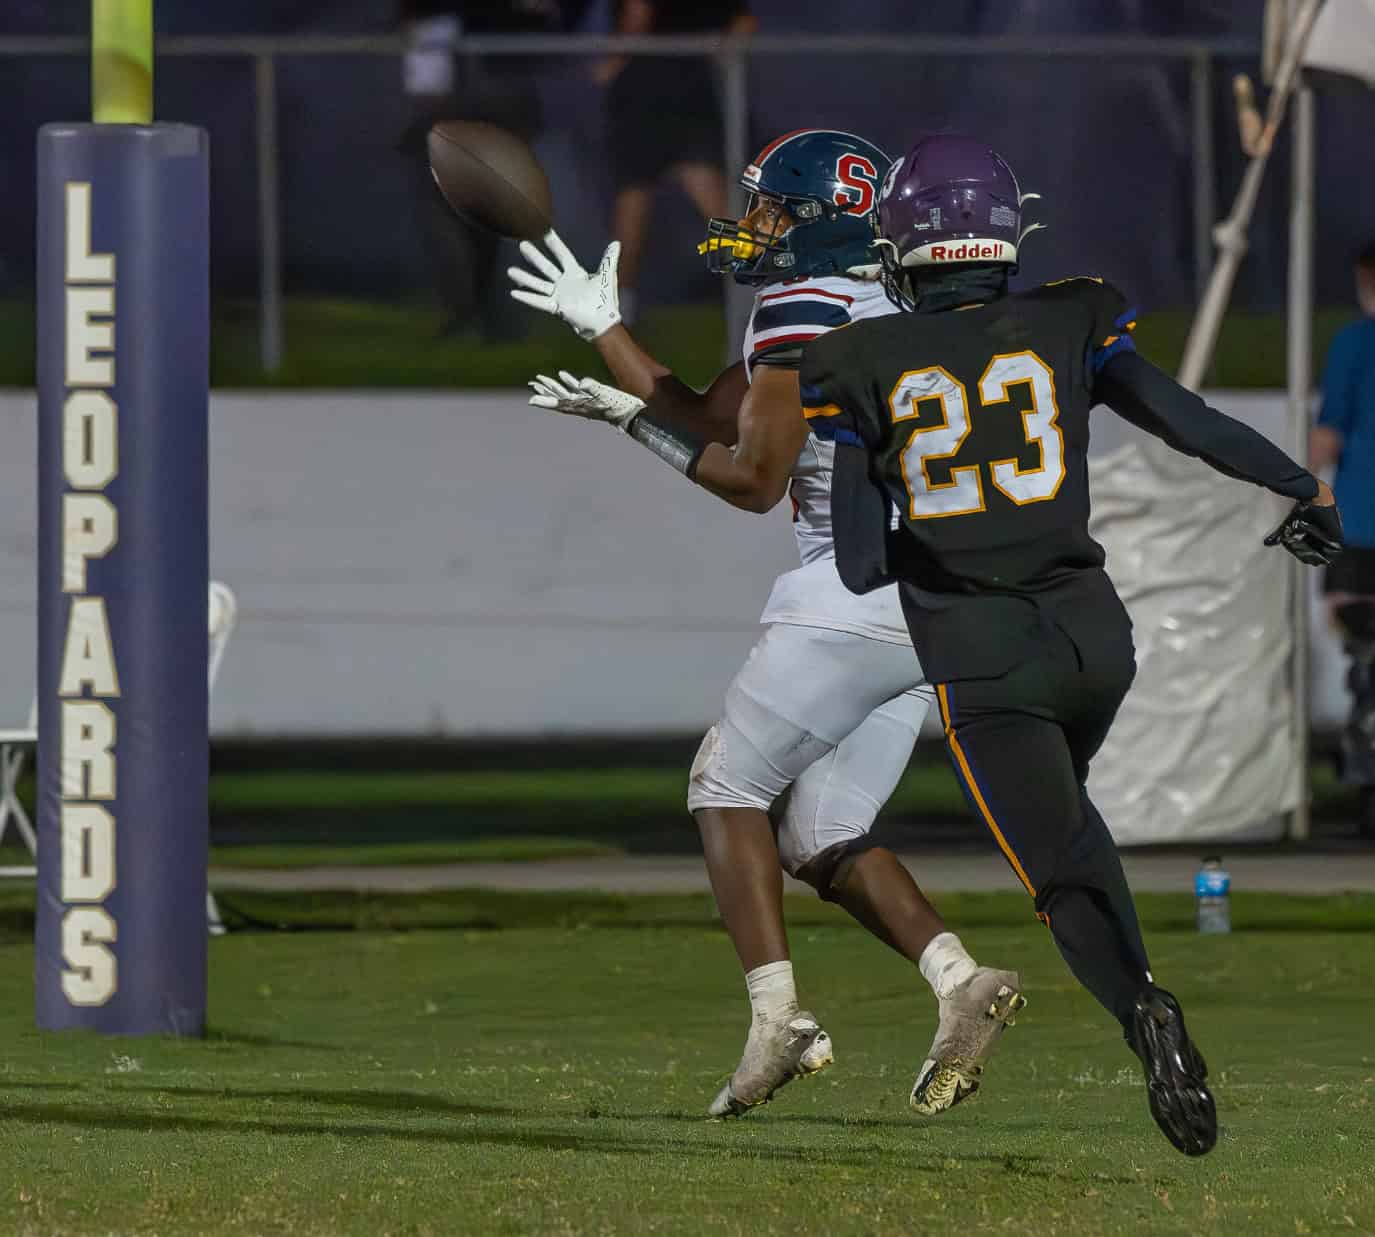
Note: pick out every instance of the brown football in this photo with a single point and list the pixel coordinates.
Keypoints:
(491, 176)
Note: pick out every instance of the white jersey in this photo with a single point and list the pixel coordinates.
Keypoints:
(786, 315)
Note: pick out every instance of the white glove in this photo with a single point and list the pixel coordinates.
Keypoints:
(588, 302)
(586, 397)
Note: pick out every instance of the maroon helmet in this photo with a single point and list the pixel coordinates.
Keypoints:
(951, 199)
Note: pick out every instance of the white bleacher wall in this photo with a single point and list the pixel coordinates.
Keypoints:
(461, 564)
(444, 564)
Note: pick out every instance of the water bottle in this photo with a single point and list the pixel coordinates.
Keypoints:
(1211, 887)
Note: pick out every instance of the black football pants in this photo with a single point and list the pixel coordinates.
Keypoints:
(1021, 745)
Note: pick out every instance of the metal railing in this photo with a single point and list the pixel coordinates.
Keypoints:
(732, 57)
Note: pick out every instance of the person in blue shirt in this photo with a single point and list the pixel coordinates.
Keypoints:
(1344, 439)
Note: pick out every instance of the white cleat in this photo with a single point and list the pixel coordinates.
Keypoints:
(971, 1024)
(774, 1056)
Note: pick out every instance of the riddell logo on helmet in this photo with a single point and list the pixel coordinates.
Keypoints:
(966, 251)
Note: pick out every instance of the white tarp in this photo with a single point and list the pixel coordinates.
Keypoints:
(1204, 744)
(442, 564)
(1343, 39)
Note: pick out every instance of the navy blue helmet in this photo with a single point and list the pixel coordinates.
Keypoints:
(826, 183)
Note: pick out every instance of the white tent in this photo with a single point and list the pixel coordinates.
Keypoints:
(1212, 741)
(1343, 40)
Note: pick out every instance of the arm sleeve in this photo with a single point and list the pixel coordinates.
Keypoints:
(859, 506)
(1110, 332)
(859, 522)
(1153, 401)
(833, 411)
(1338, 402)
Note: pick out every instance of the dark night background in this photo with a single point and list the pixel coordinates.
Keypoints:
(1107, 143)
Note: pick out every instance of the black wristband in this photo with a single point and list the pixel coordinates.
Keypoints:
(784, 356)
(678, 447)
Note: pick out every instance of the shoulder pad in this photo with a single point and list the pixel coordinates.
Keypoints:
(805, 289)
(796, 315)
(1055, 283)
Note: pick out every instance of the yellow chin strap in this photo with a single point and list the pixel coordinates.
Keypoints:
(741, 245)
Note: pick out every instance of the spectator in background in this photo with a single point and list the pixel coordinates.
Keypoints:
(664, 121)
(1344, 438)
(443, 83)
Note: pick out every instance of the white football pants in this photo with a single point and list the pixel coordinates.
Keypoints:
(831, 715)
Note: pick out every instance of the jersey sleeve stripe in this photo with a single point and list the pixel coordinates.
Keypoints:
(794, 292)
(823, 410)
(794, 314)
(775, 340)
(1111, 347)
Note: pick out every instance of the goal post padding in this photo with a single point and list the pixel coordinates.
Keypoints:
(123, 354)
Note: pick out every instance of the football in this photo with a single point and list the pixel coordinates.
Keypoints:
(491, 176)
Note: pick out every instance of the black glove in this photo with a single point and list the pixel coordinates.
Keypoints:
(1312, 534)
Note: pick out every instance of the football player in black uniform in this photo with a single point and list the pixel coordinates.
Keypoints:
(833, 673)
(969, 415)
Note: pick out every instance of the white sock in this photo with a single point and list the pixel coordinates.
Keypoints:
(945, 964)
(772, 994)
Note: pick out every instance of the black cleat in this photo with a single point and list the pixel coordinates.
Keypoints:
(1176, 1073)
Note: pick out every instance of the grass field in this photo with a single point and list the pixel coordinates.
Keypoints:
(634, 807)
(344, 343)
(403, 854)
(547, 1075)
(301, 817)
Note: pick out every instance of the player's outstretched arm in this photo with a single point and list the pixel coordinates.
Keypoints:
(1153, 401)
(752, 475)
(589, 302)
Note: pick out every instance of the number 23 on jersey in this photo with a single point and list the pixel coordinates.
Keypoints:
(963, 494)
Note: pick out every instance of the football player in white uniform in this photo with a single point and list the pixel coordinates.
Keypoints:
(819, 724)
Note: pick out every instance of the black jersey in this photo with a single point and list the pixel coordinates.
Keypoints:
(974, 426)
(978, 424)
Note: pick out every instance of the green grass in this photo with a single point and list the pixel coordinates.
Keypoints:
(492, 910)
(927, 786)
(548, 1077)
(361, 849)
(390, 854)
(343, 343)
(1251, 348)
(304, 817)
(346, 343)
